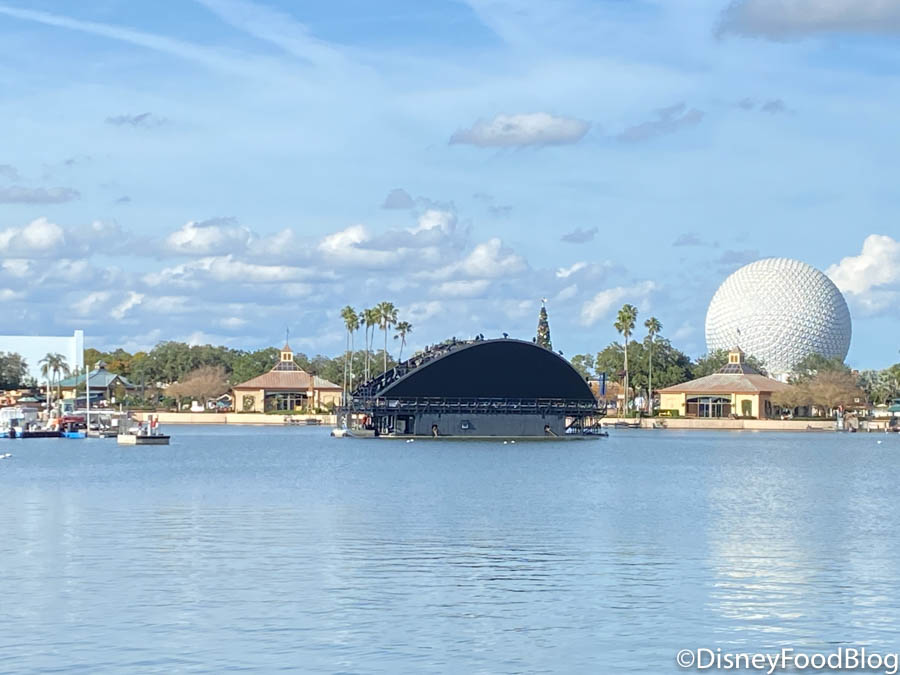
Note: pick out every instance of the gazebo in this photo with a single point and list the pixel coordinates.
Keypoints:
(287, 387)
(736, 389)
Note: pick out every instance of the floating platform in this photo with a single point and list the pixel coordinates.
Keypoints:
(73, 434)
(142, 439)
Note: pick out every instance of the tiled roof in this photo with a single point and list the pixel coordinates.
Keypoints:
(728, 383)
(287, 380)
(99, 378)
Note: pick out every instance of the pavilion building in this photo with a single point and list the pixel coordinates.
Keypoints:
(736, 390)
(105, 385)
(287, 387)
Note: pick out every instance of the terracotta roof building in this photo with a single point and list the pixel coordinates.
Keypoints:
(287, 387)
(736, 389)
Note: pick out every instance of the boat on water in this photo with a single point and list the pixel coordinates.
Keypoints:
(146, 433)
(15, 421)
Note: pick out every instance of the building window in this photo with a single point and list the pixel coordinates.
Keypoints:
(708, 406)
(287, 402)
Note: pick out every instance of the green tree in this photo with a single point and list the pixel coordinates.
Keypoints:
(53, 366)
(404, 328)
(351, 323)
(543, 328)
(653, 327)
(387, 317)
(584, 364)
(625, 325)
(371, 320)
(810, 366)
(716, 359)
(670, 366)
(248, 365)
(13, 370)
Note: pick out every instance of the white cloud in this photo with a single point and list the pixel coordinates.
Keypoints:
(435, 220)
(211, 237)
(605, 301)
(463, 288)
(785, 18)
(870, 280)
(523, 129)
(491, 260)
(36, 239)
(131, 301)
(566, 272)
(93, 304)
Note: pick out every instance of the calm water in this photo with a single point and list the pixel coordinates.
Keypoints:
(270, 549)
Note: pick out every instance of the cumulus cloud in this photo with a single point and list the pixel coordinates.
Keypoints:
(520, 130)
(579, 235)
(492, 259)
(224, 269)
(398, 198)
(146, 120)
(38, 238)
(15, 194)
(871, 280)
(668, 121)
(780, 19)
(602, 304)
(209, 237)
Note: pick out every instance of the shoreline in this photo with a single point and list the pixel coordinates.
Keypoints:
(671, 423)
(248, 419)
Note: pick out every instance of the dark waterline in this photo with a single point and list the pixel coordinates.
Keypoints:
(267, 549)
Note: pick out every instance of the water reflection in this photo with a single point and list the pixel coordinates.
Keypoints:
(261, 548)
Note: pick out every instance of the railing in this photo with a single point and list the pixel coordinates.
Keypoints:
(406, 405)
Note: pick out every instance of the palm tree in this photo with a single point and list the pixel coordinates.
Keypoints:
(387, 317)
(625, 325)
(404, 328)
(348, 314)
(653, 327)
(52, 366)
(370, 317)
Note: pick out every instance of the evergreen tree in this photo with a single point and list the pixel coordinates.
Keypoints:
(543, 328)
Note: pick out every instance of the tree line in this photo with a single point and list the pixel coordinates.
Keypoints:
(652, 363)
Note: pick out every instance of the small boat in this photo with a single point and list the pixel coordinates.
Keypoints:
(142, 439)
(73, 434)
(147, 433)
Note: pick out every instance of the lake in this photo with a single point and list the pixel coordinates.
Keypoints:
(267, 549)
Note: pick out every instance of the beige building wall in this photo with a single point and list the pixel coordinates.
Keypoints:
(258, 404)
(673, 402)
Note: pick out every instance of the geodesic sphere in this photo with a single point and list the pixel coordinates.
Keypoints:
(780, 311)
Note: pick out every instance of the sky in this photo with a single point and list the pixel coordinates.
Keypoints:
(220, 171)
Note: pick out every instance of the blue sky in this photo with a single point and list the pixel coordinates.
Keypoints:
(218, 170)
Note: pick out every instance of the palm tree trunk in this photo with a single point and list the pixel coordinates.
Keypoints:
(345, 364)
(625, 400)
(385, 347)
(351, 361)
(650, 381)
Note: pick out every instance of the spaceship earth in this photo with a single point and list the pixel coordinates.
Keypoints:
(780, 311)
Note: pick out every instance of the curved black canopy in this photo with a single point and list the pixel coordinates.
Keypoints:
(494, 369)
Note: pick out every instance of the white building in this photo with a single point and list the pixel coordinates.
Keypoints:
(33, 348)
